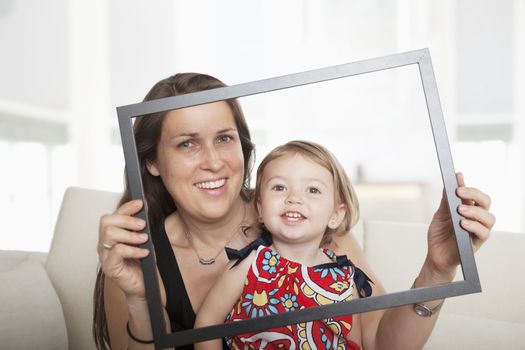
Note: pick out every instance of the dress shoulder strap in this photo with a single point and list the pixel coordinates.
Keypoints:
(361, 279)
(265, 239)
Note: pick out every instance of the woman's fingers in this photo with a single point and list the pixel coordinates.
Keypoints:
(119, 256)
(114, 235)
(130, 208)
(473, 196)
(461, 179)
(120, 226)
(119, 235)
(123, 251)
(479, 232)
(116, 244)
(475, 209)
(121, 220)
(470, 195)
(475, 213)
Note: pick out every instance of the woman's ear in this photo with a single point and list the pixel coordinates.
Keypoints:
(337, 216)
(152, 168)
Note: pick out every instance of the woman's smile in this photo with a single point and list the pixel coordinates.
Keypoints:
(211, 184)
(215, 188)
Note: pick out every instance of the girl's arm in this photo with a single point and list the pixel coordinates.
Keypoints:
(221, 299)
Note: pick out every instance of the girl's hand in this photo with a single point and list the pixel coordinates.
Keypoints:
(442, 255)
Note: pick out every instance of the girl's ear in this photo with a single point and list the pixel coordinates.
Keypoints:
(259, 214)
(337, 216)
(152, 168)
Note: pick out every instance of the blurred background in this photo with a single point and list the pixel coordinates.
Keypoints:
(66, 64)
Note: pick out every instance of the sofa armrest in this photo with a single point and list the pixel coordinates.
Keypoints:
(31, 312)
(72, 260)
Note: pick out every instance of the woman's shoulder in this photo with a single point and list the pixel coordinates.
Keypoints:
(345, 244)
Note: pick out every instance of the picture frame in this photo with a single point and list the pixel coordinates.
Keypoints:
(422, 59)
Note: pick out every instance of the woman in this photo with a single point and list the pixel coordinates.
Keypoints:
(195, 165)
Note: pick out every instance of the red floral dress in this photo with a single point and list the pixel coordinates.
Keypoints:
(275, 285)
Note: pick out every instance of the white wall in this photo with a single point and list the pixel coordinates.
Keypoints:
(70, 63)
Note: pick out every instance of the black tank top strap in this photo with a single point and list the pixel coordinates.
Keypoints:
(179, 309)
(178, 304)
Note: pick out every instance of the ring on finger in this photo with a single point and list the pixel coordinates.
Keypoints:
(106, 245)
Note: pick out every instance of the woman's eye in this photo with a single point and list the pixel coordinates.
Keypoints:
(225, 138)
(278, 188)
(313, 190)
(185, 144)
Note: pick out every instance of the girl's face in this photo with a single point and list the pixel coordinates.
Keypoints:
(200, 160)
(297, 201)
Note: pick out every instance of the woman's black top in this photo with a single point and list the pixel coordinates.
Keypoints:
(178, 306)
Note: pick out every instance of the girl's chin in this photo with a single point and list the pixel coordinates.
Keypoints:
(290, 237)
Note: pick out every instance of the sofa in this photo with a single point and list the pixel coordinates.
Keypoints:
(46, 299)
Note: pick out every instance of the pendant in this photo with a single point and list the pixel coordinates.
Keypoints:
(207, 261)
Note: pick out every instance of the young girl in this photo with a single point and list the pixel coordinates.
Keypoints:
(303, 198)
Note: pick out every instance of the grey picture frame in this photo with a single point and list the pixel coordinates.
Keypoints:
(470, 284)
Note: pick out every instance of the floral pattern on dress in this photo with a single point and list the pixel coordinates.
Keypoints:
(270, 261)
(261, 303)
(333, 271)
(277, 285)
(289, 302)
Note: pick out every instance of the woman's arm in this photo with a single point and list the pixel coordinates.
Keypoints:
(369, 321)
(120, 311)
(124, 292)
(401, 327)
(116, 312)
(221, 299)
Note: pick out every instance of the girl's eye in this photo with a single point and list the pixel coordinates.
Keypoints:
(278, 188)
(313, 190)
(225, 138)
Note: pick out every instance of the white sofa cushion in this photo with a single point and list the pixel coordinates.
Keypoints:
(395, 251)
(72, 259)
(466, 332)
(494, 318)
(31, 314)
(500, 264)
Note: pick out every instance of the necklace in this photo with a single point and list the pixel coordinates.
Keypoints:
(211, 261)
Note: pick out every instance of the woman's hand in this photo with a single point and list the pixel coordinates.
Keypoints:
(117, 251)
(443, 256)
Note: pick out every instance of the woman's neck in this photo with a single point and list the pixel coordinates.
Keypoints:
(214, 232)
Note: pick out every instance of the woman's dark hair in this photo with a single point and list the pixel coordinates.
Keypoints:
(160, 204)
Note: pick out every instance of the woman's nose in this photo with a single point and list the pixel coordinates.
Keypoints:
(211, 159)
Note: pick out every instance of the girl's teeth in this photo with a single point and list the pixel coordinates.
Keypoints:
(293, 216)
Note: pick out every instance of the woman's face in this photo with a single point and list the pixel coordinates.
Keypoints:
(200, 160)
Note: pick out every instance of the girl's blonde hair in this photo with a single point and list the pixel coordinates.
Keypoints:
(344, 191)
